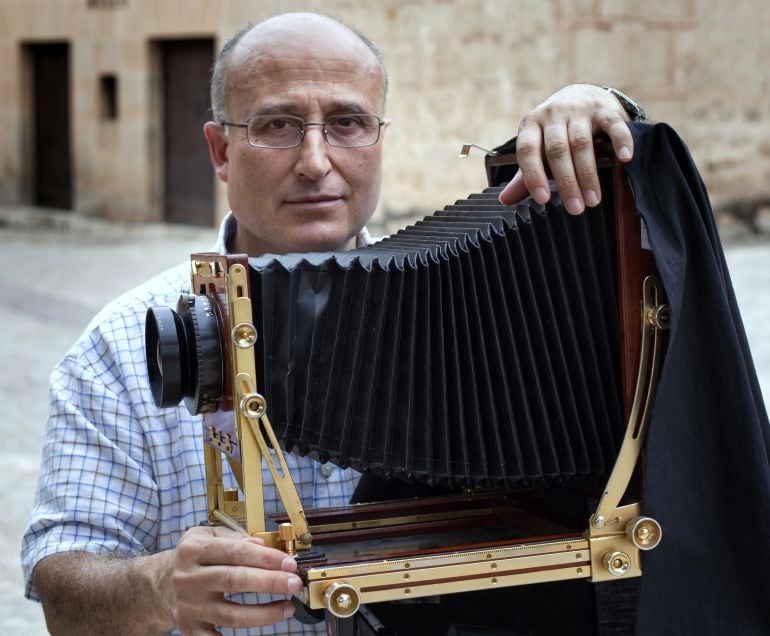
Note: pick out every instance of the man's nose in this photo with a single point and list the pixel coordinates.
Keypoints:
(313, 162)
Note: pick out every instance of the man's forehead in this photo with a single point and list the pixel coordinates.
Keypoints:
(276, 61)
(307, 38)
(311, 100)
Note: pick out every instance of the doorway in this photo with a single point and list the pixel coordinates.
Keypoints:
(50, 100)
(188, 175)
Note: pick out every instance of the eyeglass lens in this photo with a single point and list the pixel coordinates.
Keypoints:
(285, 131)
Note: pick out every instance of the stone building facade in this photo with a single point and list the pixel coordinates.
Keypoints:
(106, 97)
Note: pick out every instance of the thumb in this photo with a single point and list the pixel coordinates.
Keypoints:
(515, 191)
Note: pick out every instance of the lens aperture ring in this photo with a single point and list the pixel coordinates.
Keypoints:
(206, 356)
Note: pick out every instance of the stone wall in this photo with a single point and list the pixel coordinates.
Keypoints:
(460, 70)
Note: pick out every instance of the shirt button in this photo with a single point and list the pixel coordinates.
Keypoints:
(327, 469)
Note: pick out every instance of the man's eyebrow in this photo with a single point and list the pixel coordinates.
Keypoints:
(338, 108)
(348, 107)
(274, 109)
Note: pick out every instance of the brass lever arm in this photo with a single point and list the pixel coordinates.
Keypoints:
(252, 406)
(655, 319)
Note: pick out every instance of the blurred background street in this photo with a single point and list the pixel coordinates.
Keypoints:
(60, 269)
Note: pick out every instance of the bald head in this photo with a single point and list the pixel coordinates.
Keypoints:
(288, 35)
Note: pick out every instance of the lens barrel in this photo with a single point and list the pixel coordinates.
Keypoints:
(184, 354)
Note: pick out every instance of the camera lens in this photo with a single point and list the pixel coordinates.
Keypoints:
(184, 354)
(166, 356)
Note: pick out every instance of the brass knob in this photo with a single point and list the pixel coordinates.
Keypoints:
(617, 563)
(244, 335)
(253, 405)
(659, 316)
(306, 538)
(341, 599)
(644, 532)
(286, 538)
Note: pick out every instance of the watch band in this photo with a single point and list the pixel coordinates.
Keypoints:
(635, 112)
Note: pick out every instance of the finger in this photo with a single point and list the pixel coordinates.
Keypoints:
(232, 579)
(222, 532)
(255, 540)
(229, 614)
(559, 156)
(581, 145)
(529, 149)
(213, 531)
(514, 191)
(234, 551)
(616, 128)
(190, 617)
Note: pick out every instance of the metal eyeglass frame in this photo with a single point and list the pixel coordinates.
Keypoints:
(303, 126)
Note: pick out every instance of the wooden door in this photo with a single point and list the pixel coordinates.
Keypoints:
(188, 175)
(52, 179)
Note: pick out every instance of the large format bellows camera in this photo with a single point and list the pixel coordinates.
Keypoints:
(495, 351)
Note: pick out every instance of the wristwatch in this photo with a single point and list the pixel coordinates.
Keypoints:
(635, 112)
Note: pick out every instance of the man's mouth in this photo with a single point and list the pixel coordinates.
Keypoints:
(311, 199)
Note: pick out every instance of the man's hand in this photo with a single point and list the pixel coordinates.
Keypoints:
(85, 593)
(210, 562)
(561, 129)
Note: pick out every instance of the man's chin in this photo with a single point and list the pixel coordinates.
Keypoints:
(321, 243)
(301, 237)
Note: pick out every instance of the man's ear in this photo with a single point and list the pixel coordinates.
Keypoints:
(218, 147)
(385, 125)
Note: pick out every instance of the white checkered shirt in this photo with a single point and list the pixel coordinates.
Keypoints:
(120, 476)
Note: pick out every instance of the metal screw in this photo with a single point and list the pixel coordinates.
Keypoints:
(344, 601)
(617, 563)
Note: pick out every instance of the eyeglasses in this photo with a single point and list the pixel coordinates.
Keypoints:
(286, 131)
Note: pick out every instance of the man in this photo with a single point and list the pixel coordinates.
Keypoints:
(122, 481)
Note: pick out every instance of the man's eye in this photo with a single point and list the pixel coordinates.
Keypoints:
(346, 122)
(280, 124)
(267, 125)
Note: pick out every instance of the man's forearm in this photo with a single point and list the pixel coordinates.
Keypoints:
(84, 593)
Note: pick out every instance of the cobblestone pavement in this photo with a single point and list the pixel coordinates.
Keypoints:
(59, 270)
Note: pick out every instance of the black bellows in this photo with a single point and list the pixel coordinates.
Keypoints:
(479, 346)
